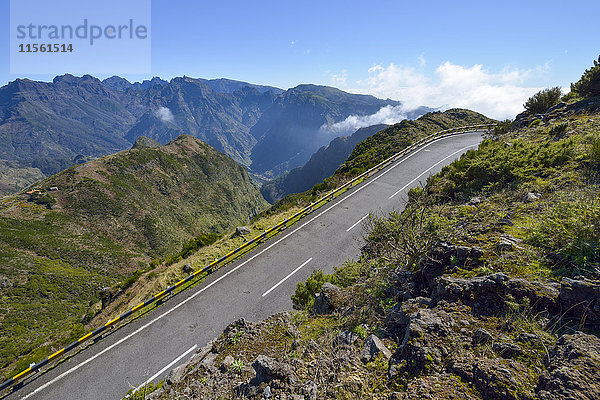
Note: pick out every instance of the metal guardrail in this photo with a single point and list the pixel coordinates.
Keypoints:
(215, 264)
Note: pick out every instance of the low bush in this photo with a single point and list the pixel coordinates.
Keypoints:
(543, 100)
(589, 84)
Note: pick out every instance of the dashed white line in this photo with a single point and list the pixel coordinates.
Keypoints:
(284, 279)
(59, 377)
(156, 375)
(356, 223)
(429, 169)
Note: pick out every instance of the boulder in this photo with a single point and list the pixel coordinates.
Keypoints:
(5, 282)
(176, 375)
(346, 337)
(398, 317)
(424, 343)
(502, 379)
(268, 369)
(474, 200)
(530, 197)
(227, 363)
(482, 336)
(508, 243)
(325, 301)
(443, 257)
(372, 348)
(267, 392)
(242, 231)
(580, 299)
(485, 294)
(507, 349)
(573, 371)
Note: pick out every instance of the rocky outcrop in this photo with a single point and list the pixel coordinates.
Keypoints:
(488, 294)
(573, 371)
(580, 299)
(325, 302)
(372, 348)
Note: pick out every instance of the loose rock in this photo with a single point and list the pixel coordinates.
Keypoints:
(372, 348)
(242, 231)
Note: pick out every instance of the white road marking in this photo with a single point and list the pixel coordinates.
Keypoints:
(356, 223)
(194, 347)
(429, 169)
(284, 279)
(59, 377)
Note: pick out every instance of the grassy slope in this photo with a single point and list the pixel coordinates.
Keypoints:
(111, 217)
(15, 177)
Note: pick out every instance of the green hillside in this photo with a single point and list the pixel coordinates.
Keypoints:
(96, 224)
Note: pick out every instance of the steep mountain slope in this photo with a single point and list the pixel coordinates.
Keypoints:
(49, 124)
(223, 85)
(118, 83)
(289, 132)
(102, 221)
(321, 165)
(190, 106)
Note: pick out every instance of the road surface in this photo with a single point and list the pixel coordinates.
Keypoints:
(257, 285)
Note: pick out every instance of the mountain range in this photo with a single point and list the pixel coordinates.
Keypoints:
(53, 125)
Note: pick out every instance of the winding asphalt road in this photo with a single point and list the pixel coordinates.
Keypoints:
(254, 287)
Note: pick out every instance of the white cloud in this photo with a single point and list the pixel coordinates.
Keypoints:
(422, 61)
(339, 80)
(386, 115)
(164, 114)
(498, 95)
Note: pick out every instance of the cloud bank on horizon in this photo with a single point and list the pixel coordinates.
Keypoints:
(388, 115)
(498, 95)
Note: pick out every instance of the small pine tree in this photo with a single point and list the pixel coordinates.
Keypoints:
(543, 100)
(589, 84)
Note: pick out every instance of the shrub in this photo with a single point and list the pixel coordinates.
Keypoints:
(360, 331)
(131, 279)
(543, 100)
(406, 237)
(237, 366)
(500, 129)
(43, 199)
(304, 298)
(558, 129)
(535, 123)
(589, 84)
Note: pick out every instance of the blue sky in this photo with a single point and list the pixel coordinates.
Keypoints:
(489, 56)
